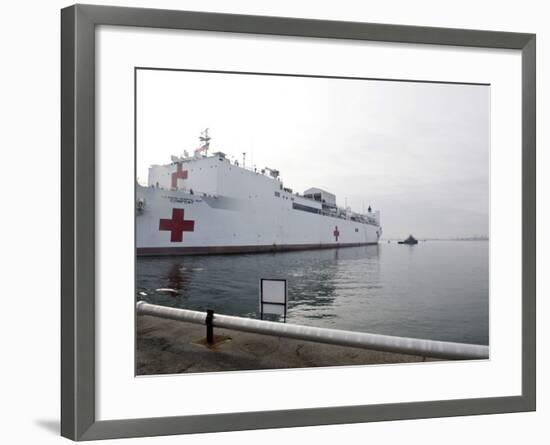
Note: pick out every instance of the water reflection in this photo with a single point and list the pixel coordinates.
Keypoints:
(434, 290)
(230, 283)
(177, 277)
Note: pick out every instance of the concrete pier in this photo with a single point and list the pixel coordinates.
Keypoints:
(173, 347)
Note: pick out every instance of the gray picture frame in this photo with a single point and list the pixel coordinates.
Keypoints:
(78, 176)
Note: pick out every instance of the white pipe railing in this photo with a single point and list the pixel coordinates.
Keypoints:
(386, 343)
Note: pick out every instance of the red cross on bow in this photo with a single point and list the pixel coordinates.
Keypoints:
(178, 174)
(177, 225)
(336, 233)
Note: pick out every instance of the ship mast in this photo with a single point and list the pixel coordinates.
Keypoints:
(204, 139)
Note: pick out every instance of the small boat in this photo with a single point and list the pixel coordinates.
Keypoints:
(410, 240)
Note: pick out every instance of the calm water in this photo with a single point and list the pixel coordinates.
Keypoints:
(436, 290)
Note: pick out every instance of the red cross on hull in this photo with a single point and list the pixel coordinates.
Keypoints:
(336, 233)
(178, 174)
(177, 225)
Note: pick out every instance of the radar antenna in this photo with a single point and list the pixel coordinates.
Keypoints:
(204, 139)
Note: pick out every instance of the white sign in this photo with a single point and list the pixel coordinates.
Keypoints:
(273, 297)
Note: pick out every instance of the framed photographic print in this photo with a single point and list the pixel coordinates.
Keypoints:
(252, 203)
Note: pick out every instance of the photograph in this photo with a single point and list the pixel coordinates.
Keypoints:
(304, 222)
(293, 221)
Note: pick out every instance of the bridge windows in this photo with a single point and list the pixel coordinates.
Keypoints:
(304, 208)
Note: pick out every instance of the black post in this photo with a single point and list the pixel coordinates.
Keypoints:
(209, 326)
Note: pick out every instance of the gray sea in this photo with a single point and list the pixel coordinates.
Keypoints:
(434, 290)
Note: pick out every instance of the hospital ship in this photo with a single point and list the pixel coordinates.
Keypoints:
(208, 204)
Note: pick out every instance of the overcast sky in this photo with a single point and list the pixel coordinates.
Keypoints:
(419, 152)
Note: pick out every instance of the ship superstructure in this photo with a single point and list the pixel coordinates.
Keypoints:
(208, 204)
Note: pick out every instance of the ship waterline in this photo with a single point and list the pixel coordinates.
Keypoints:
(218, 250)
(210, 205)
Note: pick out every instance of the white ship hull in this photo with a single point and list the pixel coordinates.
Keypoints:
(236, 211)
(210, 227)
